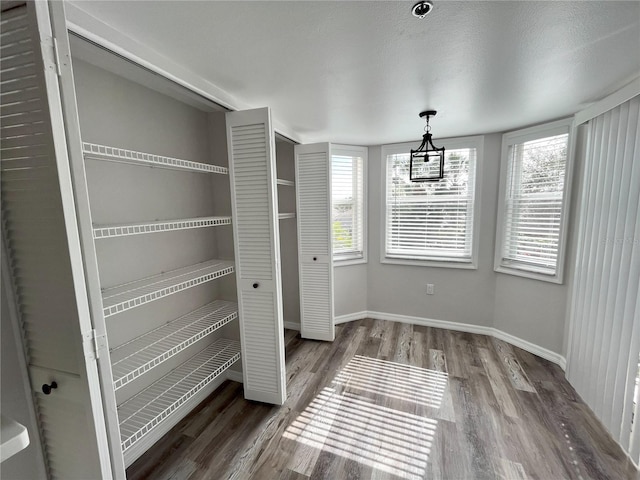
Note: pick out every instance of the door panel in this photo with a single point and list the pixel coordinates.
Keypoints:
(250, 143)
(315, 257)
(40, 236)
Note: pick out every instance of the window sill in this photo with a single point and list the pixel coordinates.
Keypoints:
(343, 262)
(464, 265)
(519, 272)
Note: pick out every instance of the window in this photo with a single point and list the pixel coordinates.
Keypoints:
(432, 223)
(532, 208)
(348, 219)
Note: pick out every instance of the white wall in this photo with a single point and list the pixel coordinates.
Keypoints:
(350, 286)
(464, 296)
(531, 310)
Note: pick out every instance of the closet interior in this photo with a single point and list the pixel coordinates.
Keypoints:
(285, 168)
(156, 164)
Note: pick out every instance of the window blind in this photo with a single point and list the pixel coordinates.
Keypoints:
(347, 206)
(431, 220)
(533, 204)
(603, 360)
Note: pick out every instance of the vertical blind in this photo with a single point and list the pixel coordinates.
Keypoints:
(347, 206)
(533, 204)
(604, 343)
(431, 220)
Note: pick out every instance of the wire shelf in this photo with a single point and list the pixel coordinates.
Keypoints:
(284, 216)
(93, 151)
(288, 183)
(133, 294)
(138, 356)
(144, 411)
(126, 229)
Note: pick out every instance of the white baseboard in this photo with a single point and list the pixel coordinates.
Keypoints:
(430, 322)
(460, 327)
(350, 317)
(531, 348)
(234, 376)
(292, 326)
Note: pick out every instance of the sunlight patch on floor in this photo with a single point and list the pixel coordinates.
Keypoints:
(346, 421)
(395, 380)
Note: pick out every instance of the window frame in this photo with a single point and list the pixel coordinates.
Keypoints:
(355, 151)
(510, 139)
(476, 142)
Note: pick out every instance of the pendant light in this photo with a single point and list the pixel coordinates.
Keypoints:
(427, 162)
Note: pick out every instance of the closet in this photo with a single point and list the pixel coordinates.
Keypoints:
(155, 177)
(152, 242)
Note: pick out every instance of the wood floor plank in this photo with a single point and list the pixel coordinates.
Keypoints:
(391, 401)
(512, 470)
(448, 342)
(438, 363)
(475, 450)
(499, 384)
(516, 375)
(289, 475)
(446, 459)
(307, 455)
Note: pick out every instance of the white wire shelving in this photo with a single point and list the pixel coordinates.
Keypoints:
(133, 294)
(284, 216)
(138, 356)
(94, 151)
(288, 183)
(143, 412)
(126, 229)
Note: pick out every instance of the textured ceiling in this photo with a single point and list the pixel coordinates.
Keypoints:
(360, 72)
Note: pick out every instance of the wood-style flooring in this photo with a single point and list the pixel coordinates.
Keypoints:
(389, 400)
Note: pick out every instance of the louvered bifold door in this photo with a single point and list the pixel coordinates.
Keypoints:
(250, 142)
(315, 253)
(43, 261)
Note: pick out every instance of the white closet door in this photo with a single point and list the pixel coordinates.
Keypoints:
(43, 254)
(315, 251)
(250, 142)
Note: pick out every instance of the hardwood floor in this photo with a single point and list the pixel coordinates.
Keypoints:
(393, 401)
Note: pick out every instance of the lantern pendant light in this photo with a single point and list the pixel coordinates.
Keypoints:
(427, 162)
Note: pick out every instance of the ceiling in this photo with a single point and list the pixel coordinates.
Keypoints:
(359, 72)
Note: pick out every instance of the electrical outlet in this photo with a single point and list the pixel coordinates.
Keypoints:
(430, 289)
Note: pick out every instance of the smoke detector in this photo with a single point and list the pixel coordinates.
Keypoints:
(422, 9)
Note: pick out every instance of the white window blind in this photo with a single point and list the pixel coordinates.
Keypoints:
(431, 220)
(604, 338)
(533, 205)
(347, 206)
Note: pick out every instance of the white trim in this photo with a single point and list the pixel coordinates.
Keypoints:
(557, 127)
(467, 265)
(350, 317)
(95, 30)
(234, 376)
(460, 327)
(476, 142)
(431, 322)
(609, 102)
(520, 272)
(360, 260)
(531, 348)
(292, 326)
